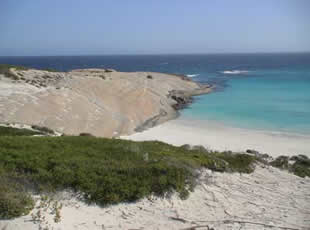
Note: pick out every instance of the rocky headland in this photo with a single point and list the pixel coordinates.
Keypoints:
(101, 102)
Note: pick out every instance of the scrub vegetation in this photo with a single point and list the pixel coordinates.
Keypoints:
(5, 70)
(299, 165)
(104, 171)
(8, 131)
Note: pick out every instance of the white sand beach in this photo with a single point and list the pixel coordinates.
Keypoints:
(216, 136)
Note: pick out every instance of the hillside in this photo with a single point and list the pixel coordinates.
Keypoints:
(102, 102)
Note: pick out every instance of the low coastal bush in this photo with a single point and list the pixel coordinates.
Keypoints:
(8, 131)
(299, 165)
(5, 70)
(236, 162)
(109, 171)
(14, 200)
(6, 67)
(281, 162)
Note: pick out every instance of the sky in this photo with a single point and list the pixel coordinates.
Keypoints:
(100, 27)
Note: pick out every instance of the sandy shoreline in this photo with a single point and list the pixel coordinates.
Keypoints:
(216, 136)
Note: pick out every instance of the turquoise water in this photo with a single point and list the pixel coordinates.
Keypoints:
(276, 100)
(257, 91)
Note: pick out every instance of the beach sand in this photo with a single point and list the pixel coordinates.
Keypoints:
(216, 136)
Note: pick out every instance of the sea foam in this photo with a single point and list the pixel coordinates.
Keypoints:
(192, 75)
(235, 72)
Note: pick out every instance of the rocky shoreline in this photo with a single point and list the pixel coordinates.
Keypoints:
(102, 102)
(182, 100)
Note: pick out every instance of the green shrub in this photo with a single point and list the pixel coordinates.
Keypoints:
(236, 162)
(106, 171)
(14, 200)
(281, 162)
(299, 165)
(5, 69)
(109, 171)
(9, 131)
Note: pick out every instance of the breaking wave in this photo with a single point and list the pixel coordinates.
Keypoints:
(192, 75)
(235, 72)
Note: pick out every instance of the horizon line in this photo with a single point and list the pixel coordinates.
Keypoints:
(160, 54)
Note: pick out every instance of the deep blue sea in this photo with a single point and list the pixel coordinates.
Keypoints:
(257, 91)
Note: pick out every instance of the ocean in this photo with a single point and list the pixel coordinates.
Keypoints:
(254, 91)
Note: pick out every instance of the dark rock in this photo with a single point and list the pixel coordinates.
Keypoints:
(86, 135)
(149, 77)
(252, 151)
(42, 129)
(181, 98)
(109, 70)
(186, 147)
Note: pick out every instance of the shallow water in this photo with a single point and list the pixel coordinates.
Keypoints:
(262, 99)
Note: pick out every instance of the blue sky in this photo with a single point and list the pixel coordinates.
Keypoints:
(78, 27)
